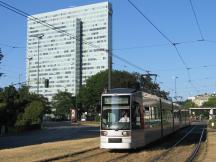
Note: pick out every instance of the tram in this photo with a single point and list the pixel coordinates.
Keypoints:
(132, 119)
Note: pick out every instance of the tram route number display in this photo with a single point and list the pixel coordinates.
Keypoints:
(116, 100)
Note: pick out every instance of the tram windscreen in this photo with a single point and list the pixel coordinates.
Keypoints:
(115, 113)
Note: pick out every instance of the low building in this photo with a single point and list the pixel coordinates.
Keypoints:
(200, 99)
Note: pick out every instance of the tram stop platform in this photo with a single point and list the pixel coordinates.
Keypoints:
(209, 152)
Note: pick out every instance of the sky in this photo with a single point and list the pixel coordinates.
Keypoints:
(189, 65)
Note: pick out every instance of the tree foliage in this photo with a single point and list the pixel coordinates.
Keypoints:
(189, 104)
(18, 106)
(90, 94)
(32, 115)
(210, 103)
(62, 102)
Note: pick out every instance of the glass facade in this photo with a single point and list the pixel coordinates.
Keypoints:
(69, 51)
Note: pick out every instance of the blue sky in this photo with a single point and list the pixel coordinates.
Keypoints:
(134, 39)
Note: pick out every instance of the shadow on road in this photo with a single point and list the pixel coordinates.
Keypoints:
(58, 131)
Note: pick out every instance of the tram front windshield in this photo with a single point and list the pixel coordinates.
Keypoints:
(115, 113)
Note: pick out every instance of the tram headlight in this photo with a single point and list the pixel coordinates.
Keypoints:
(104, 133)
(126, 133)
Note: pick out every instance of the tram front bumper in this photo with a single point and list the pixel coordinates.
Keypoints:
(115, 143)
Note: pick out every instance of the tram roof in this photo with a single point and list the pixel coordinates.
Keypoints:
(122, 90)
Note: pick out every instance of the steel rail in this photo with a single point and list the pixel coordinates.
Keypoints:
(196, 149)
(119, 158)
(66, 155)
(178, 142)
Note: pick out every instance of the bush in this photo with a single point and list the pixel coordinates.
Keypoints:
(212, 125)
(31, 118)
(97, 118)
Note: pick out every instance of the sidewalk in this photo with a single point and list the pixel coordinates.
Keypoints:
(210, 155)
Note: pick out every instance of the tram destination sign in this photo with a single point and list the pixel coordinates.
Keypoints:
(116, 100)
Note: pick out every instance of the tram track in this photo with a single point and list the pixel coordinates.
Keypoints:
(83, 157)
(161, 150)
(119, 158)
(181, 150)
(165, 153)
(68, 155)
(196, 149)
(168, 149)
(95, 154)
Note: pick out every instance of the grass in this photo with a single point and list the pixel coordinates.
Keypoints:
(47, 150)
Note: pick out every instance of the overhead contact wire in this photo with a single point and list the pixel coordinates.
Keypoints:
(22, 13)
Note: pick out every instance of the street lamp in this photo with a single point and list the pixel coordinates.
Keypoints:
(109, 53)
(175, 86)
(29, 59)
(39, 37)
(109, 69)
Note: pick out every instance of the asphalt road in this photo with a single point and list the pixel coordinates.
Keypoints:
(50, 134)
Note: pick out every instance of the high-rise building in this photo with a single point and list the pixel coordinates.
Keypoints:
(64, 47)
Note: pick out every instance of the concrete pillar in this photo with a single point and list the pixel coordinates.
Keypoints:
(211, 113)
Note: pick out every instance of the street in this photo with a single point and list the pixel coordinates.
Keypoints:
(61, 132)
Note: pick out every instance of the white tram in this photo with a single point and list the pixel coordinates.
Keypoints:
(132, 119)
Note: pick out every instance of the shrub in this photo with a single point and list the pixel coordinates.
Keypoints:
(32, 116)
(97, 118)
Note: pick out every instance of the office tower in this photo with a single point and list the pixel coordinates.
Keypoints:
(67, 46)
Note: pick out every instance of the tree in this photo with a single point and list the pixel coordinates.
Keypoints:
(189, 104)
(3, 105)
(210, 103)
(33, 114)
(9, 99)
(43, 100)
(90, 94)
(16, 105)
(62, 102)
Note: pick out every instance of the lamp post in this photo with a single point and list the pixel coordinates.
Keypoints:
(39, 37)
(19, 80)
(175, 87)
(29, 59)
(109, 53)
(109, 70)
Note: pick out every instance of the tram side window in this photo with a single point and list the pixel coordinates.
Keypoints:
(152, 117)
(167, 115)
(135, 116)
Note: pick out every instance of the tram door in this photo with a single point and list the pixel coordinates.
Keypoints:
(152, 123)
(137, 124)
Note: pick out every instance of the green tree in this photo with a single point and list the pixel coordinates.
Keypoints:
(210, 103)
(32, 115)
(14, 104)
(24, 98)
(90, 94)
(62, 102)
(43, 100)
(9, 99)
(3, 119)
(189, 104)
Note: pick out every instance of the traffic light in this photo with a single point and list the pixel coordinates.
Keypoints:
(46, 83)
